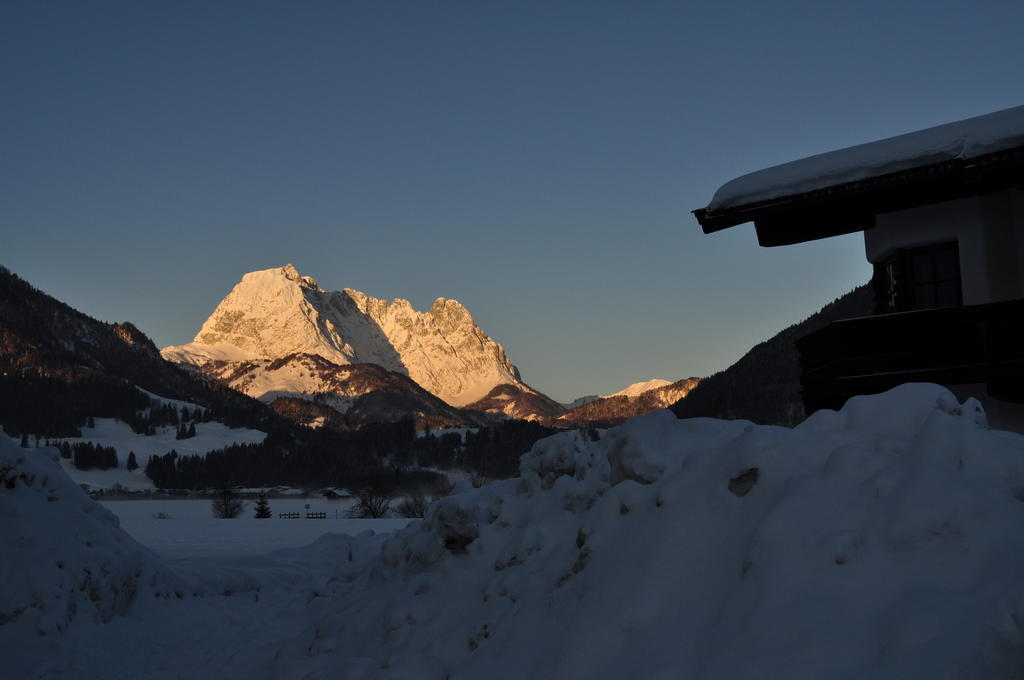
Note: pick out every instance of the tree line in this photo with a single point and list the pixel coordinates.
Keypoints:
(378, 455)
(59, 403)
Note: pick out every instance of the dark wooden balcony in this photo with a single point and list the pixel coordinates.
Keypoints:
(950, 346)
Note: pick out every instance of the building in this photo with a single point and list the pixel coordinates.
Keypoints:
(942, 211)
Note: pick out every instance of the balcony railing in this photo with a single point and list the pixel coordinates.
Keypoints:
(950, 346)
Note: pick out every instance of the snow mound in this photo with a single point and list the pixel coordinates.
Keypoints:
(883, 540)
(64, 555)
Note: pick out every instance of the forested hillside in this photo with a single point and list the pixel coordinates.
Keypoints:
(59, 366)
(764, 385)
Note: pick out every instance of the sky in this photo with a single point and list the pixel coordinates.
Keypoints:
(537, 161)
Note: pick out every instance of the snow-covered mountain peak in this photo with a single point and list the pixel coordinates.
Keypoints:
(638, 388)
(442, 305)
(270, 313)
(277, 277)
(450, 314)
(278, 312)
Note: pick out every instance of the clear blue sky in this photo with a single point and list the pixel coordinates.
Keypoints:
(536, 161)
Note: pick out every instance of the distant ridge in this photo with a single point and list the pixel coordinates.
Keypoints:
(638, 388)
(615, 409)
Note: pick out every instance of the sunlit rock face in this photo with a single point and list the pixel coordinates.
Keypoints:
(636, 399)
(276, 313)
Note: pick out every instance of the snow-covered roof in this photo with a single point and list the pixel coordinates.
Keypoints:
(959, 141)
(963, 139)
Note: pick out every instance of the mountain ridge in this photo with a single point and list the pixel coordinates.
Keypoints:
(276, 313)
(638, 388)
(617, 408)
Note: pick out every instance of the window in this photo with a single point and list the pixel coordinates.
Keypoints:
(918, 278)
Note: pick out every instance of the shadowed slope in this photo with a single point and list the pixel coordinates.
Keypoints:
(764, 385)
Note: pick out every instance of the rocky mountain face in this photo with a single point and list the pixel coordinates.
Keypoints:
(518, 401)
(363, 392)
(635, 400)
(278, 334)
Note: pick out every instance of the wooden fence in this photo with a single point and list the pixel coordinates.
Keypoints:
(297, 515)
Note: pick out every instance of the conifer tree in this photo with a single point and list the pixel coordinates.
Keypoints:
(83, 458)
(132, 464)
(263, 508)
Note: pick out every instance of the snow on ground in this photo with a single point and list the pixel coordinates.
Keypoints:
(880, 541)
(64, 557)
(113, 432)
(176, 403)
(191, 530)
(79, 598)
(461, 431)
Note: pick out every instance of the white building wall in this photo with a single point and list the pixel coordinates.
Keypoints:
(988, 229)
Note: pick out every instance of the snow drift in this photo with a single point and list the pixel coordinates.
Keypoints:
(64, 555)
(883, 540)
(880, 541)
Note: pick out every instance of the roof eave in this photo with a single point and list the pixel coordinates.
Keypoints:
(840, 208)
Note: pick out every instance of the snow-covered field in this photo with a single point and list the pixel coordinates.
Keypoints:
(189, 529)
(882, 541)
(115, 433)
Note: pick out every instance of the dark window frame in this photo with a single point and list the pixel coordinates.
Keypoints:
(923, 277)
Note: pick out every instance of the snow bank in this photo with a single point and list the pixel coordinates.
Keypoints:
(68, 574)
(963, 139)
(882, 541)
(63, 555)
